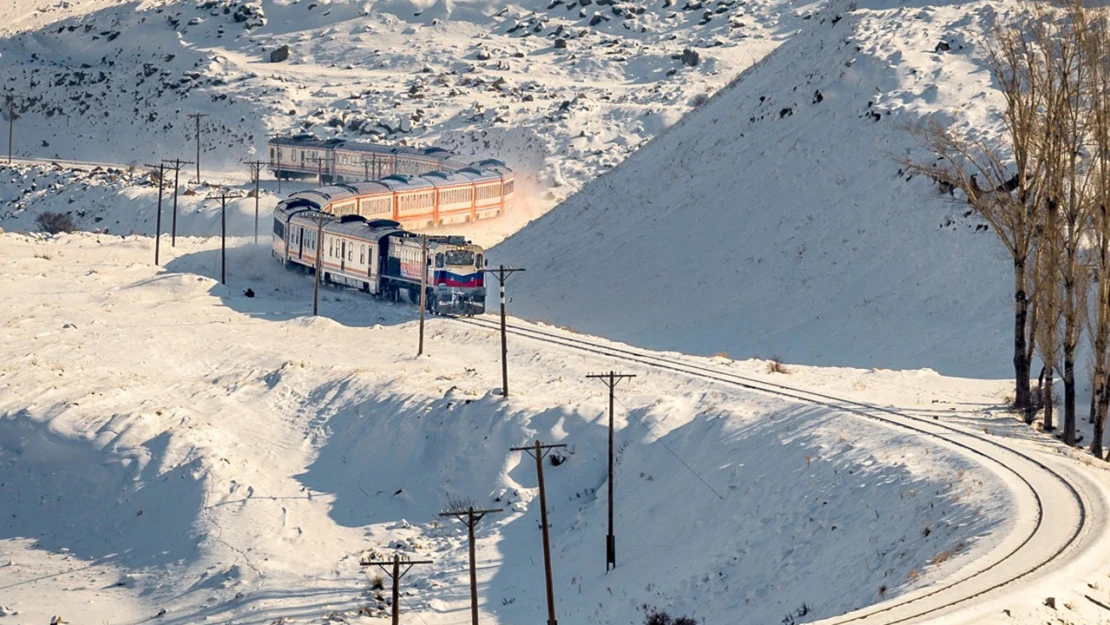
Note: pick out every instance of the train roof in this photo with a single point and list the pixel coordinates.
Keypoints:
(479, 175)
(367, 188)
(356, 226)
(304, 212)
(400, 182)
(327, 195)
(307, 141)
(445, 178)
(432, 152)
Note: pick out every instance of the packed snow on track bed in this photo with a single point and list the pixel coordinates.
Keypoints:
(169, 443)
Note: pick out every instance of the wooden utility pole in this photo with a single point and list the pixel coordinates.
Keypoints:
(423, 288)
(175, 165)
(223, 197)
(539, 451)
(471, 517)
(158, 220)
(11, 124)
(197, 117)
(320, 219)
(611, 379)
(256, 177)
(502, 273)
(396, 574)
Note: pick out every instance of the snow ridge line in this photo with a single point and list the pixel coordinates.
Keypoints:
(859, 409)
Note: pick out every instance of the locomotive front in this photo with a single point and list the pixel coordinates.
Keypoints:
(458, 284)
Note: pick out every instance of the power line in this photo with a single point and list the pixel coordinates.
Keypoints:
(611, 380)
(256, 177)
(175, 165)
(158, 221)
(539, 451)
(502, 273)
(223, 196)
(471, 517)
(659, 440)
(197, 117)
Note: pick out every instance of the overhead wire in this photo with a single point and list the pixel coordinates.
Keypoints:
(659, 439)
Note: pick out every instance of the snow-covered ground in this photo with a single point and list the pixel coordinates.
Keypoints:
(774, 220)
(240, 477)
(168, 443)
(559, 89)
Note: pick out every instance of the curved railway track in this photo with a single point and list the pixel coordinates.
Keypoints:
(1033, 545)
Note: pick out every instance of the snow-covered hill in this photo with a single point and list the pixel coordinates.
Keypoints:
(775, 219)
(559, 89)
(167, 443)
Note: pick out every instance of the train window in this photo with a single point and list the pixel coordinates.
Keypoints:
(460, 257)
(331, 247)
(439, 260)
(351, 252)
(479, 262)
(362, 253)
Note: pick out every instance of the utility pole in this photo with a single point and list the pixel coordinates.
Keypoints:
(175, 165)
(502, 273)
(256, 177)
(223, 197)
(320, 160)
(423, 288)
(396, 574)
(611, 379)
(158, 220)
(471, 517)
(197, 117)
(320, 219)
(539, 451)
(11, 124)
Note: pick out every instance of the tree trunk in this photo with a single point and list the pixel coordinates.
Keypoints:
(1100, 418)
(1069, 395)
(1021, 359)
(1048, 404)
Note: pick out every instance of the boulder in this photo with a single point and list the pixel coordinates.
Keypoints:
(280, 54)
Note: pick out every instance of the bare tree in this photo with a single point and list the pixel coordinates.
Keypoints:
(1069, 175)
(1047, 305)
(1097, 58)
(1011, 170)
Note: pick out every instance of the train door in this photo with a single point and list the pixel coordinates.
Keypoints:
(373, 268)
(342, 256)
(300, 242)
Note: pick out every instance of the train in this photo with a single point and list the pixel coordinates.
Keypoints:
(416, 187)
(381, 258)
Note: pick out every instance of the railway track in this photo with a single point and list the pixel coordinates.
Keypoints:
(1037, 542)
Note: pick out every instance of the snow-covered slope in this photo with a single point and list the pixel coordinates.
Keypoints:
(170, 444)
(559, 89)
(776, 220)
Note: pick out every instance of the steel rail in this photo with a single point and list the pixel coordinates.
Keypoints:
(852, 407)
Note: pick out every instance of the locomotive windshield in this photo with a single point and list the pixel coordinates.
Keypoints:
(460, 257)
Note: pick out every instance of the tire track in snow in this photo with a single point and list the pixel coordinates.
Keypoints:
(907, 607)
